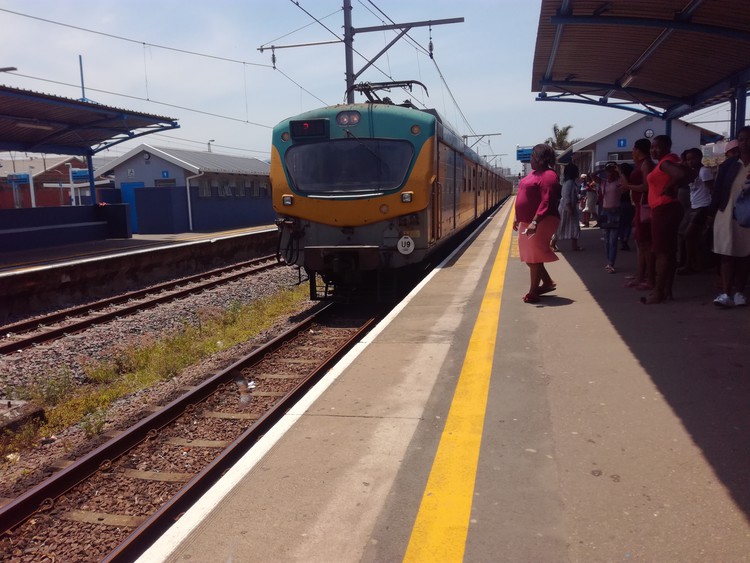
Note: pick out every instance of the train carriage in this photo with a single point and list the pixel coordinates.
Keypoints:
(360, 189)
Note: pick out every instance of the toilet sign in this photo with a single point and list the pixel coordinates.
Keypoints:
(405, 245)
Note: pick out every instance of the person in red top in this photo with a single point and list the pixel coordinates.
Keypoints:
(537, 218)
(666, 214)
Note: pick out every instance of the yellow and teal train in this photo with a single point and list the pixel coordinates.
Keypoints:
(362, 189)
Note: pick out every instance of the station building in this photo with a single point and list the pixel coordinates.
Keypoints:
(615, 143)
(43, 181)
(175, 190)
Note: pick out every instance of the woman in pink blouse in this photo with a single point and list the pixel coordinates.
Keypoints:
(537, 219)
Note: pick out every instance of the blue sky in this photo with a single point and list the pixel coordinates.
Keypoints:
(485, 62)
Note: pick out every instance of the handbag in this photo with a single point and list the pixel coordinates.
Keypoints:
(742, 208)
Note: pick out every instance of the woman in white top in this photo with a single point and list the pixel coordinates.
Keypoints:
(732, 241)
(570, 228)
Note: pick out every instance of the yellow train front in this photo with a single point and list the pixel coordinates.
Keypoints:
(362, 189)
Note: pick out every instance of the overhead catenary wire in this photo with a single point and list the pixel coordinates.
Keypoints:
(429, 52)
(146, 44)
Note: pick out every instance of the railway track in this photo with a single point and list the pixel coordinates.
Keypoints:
(114, 502)
(25, 334)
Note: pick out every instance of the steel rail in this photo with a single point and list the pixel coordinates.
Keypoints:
(24, 506)
(91, 308)
(153, 528)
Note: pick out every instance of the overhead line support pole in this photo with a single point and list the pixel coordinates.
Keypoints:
(349, 32)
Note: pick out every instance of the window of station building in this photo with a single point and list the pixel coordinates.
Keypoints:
(263, 190)
(241, 189)
(169, 183)
(225, 190)
(204, 189)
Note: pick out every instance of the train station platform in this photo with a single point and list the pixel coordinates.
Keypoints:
(12, 262)
(470, 426)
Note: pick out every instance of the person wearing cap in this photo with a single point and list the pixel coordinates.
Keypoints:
(590, 197)
(731, 241)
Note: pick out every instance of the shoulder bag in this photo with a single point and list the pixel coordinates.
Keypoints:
(742, 208)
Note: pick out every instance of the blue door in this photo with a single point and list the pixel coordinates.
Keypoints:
(128, 196)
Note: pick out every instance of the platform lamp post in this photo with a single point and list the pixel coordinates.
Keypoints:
(209, 144)
(70, 179)
(31, 186)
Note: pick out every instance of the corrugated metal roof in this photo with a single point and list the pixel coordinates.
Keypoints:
(195, 161)
(222, 163)
(667, 58)
(24, 166)
(41, 123)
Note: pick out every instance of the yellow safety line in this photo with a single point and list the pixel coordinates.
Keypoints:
(442, 523)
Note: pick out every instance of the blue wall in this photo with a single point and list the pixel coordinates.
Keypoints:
(23, 229)
(220, 213)
(164, 210)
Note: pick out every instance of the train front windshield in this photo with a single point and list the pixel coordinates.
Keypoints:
(349, 166)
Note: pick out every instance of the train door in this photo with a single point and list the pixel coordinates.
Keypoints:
(480, 194)
(447, 189)
(433, 217)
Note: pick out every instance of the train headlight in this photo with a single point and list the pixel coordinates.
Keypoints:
(384, 209)
(287, 200)
(416, 129)
(406, 197)
(348, 118)
(285, 136)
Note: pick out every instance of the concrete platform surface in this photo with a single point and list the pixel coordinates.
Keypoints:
(607, 430)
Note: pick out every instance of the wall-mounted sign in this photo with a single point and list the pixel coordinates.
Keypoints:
(18, 178)
(622, 143)
(523, 154)
(165, 173)
(79, 174)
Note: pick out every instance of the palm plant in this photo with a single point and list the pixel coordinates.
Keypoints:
(559, 140)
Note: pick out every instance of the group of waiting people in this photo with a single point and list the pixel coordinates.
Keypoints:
(669, 202)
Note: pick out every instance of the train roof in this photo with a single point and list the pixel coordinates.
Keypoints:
(445, 131)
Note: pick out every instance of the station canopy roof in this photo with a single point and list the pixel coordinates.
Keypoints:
(41, 123)
(666, 58)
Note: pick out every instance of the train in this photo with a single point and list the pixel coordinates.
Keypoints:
(365, 189)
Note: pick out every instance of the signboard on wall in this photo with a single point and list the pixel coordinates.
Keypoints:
(79, 174)
(523, 154)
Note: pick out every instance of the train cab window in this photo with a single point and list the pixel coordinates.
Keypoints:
(348, 166)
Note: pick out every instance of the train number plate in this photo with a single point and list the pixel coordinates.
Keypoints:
(405, 245)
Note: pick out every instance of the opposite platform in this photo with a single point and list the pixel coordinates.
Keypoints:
(609, 430)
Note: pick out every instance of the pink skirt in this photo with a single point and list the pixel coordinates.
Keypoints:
(536, 249)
